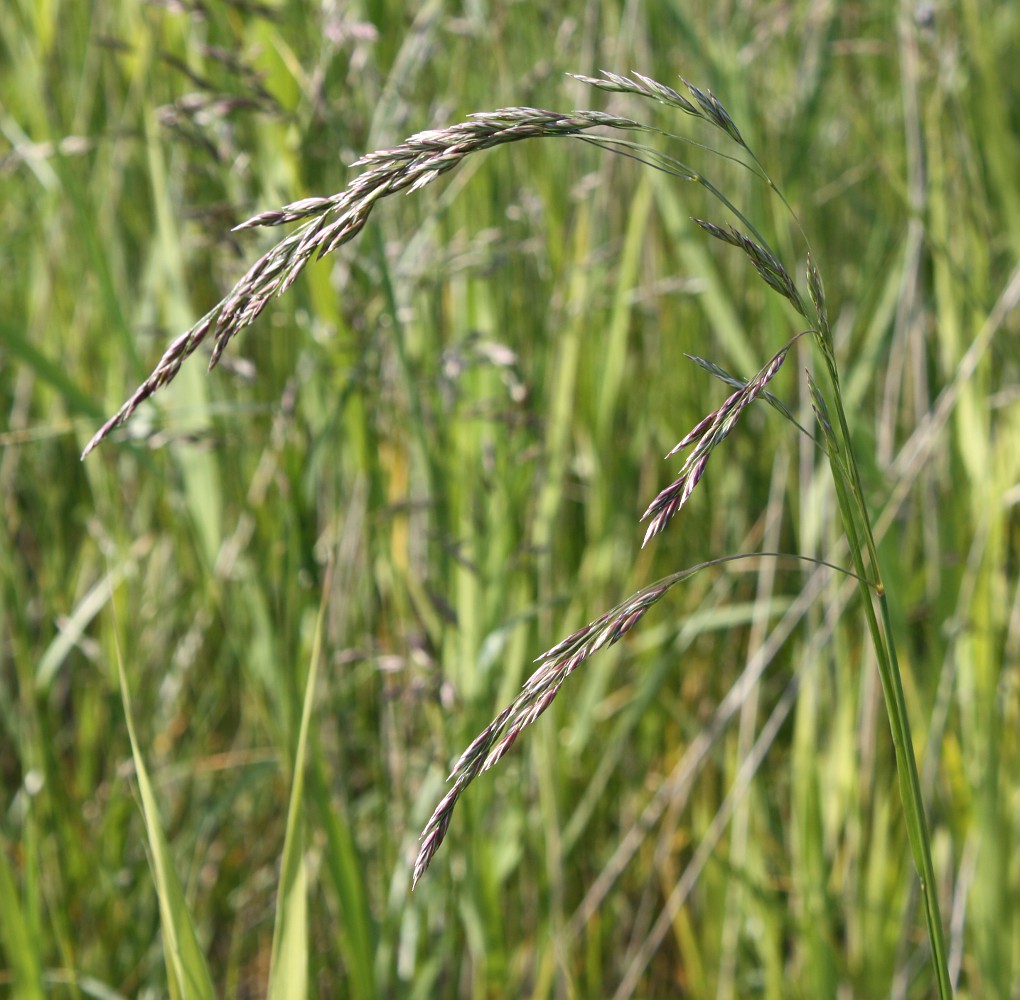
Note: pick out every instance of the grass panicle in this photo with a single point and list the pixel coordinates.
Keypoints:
(539, 692)
(327, 223)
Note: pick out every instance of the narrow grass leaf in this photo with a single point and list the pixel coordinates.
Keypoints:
(74, 628)
(20, 945)
(358, 933)
(288, 972)
(187, 973)
(50, 370)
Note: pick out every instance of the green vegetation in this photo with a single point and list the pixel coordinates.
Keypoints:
(242, 645)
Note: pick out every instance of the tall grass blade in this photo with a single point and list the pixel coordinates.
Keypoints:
(288, 973)
(19, 944)
(358, 934)
(187, 973)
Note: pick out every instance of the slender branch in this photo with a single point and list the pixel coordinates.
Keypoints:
(541, 688)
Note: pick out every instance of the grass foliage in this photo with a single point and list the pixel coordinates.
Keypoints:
(316, 575)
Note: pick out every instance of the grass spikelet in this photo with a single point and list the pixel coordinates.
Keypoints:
(765, 262)
(738, 383)
(640, 86)
(707, 434)
(715, 112)
(817, 292)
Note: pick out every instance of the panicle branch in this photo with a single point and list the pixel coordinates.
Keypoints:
(707, 106)
(537, 694)
(332, 221)
(707, 435)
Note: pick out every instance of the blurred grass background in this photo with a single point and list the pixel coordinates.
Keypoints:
(464, 412)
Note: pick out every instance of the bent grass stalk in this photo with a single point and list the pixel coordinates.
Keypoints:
(329, 222)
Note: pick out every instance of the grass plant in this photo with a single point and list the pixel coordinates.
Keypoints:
(421, 159)
(315, 577)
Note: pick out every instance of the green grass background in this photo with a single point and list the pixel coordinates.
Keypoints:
(241, 645)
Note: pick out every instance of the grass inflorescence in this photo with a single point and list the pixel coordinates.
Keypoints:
(318, 576)
(330, 222)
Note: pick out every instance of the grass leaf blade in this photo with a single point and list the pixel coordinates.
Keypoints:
(288, 972)
(187, 973)
(17, 937)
